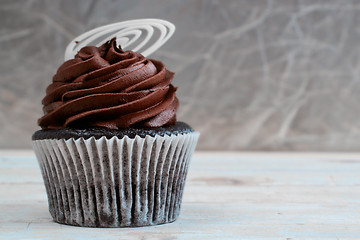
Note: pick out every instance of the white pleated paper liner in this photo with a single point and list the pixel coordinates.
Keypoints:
(115, 182)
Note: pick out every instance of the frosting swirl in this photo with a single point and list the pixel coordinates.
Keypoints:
(108, 87)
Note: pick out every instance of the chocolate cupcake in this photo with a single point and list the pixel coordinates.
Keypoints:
(110, 150)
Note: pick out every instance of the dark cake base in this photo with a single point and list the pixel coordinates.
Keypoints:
(98, 132)
(115, 182)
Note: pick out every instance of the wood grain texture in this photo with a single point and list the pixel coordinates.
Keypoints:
(227, 196)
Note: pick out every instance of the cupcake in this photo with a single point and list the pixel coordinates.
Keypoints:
(111, 151)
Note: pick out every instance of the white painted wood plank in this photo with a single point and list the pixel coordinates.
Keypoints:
(227, 196)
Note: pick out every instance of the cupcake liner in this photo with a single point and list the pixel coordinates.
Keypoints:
(115, 182)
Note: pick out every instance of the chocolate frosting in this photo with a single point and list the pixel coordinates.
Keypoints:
(108, 87)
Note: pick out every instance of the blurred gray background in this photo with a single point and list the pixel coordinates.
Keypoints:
(252, 75)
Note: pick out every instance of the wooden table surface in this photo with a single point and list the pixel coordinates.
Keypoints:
(227, 196)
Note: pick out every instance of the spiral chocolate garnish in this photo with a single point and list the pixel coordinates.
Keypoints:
(107, 87)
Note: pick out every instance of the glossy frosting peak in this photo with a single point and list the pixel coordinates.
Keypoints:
(107, 87)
